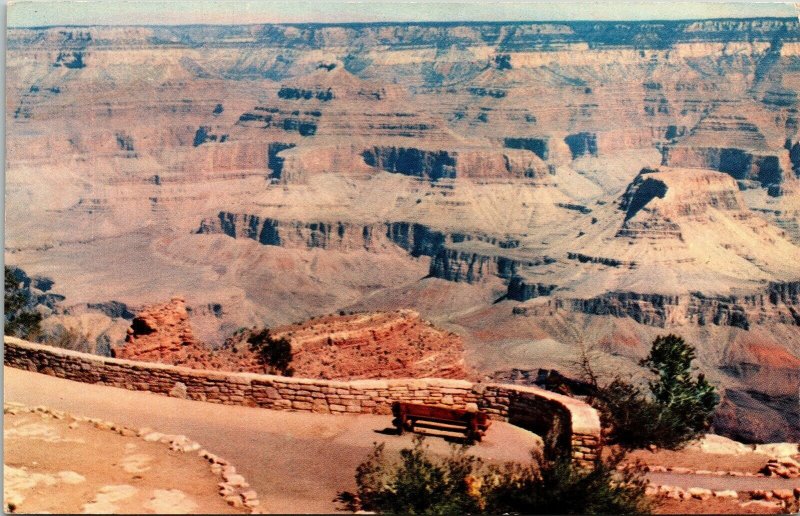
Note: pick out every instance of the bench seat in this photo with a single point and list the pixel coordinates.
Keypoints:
(470, 425)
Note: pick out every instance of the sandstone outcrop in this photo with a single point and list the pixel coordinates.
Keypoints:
(297, 234)
(477, 164)
(163, 333)
(776, 304)
(785, 467)
(455, 256)
(365, 345)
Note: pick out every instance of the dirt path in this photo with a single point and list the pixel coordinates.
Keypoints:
(697, 460)
(718, 483)
(63, 466)
(296, 461)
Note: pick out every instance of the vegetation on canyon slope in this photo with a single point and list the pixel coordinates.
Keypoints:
(27, 300)
(462, 484)
(275, 354)
(20, 319)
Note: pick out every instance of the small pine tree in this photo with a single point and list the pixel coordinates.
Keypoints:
(677, 408)
(686, 403)
(274, 354)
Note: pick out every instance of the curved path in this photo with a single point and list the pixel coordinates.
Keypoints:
(296, 461)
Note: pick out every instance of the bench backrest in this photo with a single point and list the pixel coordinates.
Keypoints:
(443, 413)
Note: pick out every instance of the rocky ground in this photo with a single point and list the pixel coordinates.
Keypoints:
(398, 344)
(55, 462)
(719, 475)
(718, 505)
(723, 454)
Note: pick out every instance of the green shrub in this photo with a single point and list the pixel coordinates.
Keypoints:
(629, 414)
(461, 484)
(68, 338)
(559, 487)
(417, 485)
(274, 354)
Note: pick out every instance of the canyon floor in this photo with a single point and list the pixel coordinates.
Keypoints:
(297, 462)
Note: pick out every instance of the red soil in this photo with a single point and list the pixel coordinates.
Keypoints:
(397, 344)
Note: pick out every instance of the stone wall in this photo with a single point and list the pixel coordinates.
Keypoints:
(566, 424)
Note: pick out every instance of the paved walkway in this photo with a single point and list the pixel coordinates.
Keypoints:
(296, 461)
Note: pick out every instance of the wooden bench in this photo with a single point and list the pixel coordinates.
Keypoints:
(428, 419)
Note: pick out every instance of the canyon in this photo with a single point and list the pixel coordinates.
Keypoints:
(531, 189)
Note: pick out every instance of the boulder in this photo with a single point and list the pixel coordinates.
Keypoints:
(700, 493)
(785, 467)
(783, 494)
(178, 390)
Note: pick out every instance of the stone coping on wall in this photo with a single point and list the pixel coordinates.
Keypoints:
(572, 422)
(585, 419)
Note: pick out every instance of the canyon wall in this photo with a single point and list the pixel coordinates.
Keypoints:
(778, 303)
(478, 164)
(450, 260)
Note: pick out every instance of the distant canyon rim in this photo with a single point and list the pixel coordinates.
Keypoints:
(533, 188)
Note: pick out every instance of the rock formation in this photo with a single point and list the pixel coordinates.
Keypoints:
(162, 333)
(365, 345)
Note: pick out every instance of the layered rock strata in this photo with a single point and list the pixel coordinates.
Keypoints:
(778, 303)
(365, 345)
(507, 156)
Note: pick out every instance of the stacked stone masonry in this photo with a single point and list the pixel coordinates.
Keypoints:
(566, 424)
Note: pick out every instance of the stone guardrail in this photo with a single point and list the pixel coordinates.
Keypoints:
(567, 425)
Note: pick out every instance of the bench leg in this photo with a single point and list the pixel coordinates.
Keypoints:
(473, 434)
(399, 424)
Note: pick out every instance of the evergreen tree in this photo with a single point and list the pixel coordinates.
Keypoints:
(676, 409)
(686, 402)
